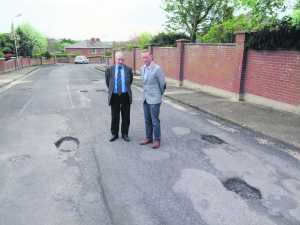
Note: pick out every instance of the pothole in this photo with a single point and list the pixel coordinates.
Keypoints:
(243, 189)
(212, 139)
(100, 90)
(84, 91)
(67, 144)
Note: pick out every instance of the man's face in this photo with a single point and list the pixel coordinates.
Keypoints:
(147, 58)
(120, 60)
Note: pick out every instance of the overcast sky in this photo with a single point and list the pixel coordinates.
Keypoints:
(82, 19)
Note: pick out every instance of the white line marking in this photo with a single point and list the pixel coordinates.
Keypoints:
(70, 96)
(174, 105)
(25, 107)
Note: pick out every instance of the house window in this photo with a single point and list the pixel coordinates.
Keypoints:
(94, 51)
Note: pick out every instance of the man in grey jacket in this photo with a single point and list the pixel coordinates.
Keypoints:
(154, 87)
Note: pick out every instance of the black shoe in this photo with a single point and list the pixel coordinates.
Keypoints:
(126, 138)
(113, 138)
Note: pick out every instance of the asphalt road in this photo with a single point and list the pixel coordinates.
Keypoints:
(88, 181)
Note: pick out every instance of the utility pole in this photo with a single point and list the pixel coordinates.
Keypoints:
(15, 39)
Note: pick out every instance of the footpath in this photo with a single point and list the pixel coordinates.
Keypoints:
(9, 77)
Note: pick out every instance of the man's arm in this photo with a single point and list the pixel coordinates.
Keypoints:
(130, 76)
(161, 79)
(107, 77)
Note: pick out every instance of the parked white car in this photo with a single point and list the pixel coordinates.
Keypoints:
(81, 59)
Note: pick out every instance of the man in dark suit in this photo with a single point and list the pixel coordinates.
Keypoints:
(118, 81)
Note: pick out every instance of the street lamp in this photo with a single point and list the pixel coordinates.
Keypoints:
(15, 39)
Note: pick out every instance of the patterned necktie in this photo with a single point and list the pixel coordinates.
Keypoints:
(119, 80)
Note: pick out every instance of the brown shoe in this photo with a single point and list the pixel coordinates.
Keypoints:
(156, 145)
(146, 141)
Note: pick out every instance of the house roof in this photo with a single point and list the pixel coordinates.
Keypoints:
(92, 43)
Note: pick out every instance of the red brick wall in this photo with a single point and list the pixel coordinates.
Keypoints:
(167, 59)
(10, 65)
(139, 61)
(213, 65)
(274, 75)
(128, 58)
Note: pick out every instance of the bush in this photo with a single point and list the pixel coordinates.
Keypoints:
(281, 35)
(1, 54)
(47, 55)
(168, 39)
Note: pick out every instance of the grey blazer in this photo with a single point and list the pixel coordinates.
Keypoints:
(110, 81)
(154, 84)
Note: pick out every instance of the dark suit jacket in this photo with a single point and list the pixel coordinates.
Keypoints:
(110, 81)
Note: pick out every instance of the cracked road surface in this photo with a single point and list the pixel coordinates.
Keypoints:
(58, 168)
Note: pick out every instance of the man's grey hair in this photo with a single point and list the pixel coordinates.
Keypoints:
(119, 54)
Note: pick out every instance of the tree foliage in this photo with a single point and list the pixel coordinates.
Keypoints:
(296, 13)
(280, 35)
(142, 41)
(31, 42)
(6, 43)
(192, 15)
(217, 20)
(224, 32)
(262, 12)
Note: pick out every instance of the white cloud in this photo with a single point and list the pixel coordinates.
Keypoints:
(82, 19)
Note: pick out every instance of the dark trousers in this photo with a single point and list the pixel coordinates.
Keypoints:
(120, 104)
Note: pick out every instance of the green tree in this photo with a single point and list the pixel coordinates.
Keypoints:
(192, 16)
(6, 43)
(167, 39)
(31, 42)
(224, 32)
(296, 13)
(262, 12)
(142, 41)
(61, 44)
(251, 15)
(1, 54)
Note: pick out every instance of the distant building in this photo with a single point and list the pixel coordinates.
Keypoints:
(92, 47)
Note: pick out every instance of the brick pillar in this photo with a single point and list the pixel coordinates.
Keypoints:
(2, 65)
(180, 59)
(241, 54)
(151, 49)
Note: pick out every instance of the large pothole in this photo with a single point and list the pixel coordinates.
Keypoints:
(212, 139)
(67, 144)
(242, 188)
